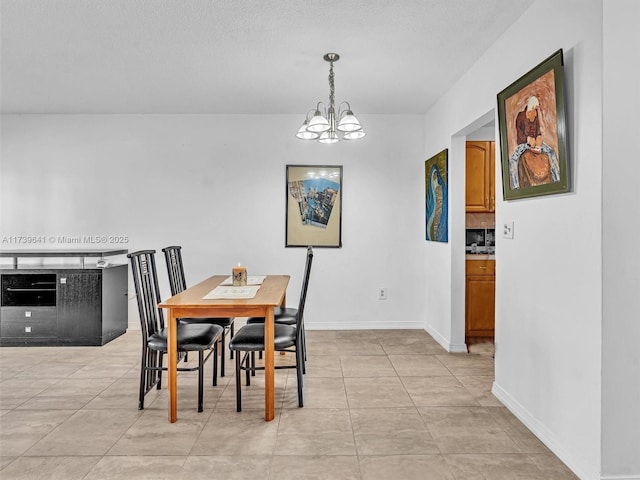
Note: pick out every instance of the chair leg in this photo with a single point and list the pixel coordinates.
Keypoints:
(222, 355)
(247, 358)
(160, 358)
(299, 373)
(253, 363)
(304, 342)
(200, 379)
(233, 331)
(238, 377)
(303, 346)
(215, 364)
(143, 375)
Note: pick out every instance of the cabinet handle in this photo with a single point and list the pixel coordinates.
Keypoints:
(483, 268)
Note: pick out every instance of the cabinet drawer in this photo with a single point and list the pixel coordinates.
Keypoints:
(481, 267)
(29, 322)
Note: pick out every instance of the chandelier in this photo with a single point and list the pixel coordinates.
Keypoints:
(322, 123)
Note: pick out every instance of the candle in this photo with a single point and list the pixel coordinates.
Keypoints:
(239, 276)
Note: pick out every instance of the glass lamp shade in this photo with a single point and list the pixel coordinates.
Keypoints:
(318, 123)
(349, 123)
(354, 135)
(304, 134)
(329, 137)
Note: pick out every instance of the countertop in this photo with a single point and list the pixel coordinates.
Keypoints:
(480, 256)
(62, 253)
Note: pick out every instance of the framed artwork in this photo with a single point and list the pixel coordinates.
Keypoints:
(437, 197)
(533, 144)
(314, 206)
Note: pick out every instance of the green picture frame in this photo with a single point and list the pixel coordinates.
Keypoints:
(533, 132)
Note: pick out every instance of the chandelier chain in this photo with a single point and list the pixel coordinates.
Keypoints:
(331, 86)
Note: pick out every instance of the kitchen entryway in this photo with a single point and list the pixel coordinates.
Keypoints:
(480, 241)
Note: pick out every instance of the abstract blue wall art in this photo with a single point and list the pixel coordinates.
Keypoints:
(437, 197)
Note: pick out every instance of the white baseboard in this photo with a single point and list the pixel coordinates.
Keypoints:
(621, 477)
(449, 347)
(364, 326)
(580, 468)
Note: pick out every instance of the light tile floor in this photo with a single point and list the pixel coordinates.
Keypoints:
(381, 404)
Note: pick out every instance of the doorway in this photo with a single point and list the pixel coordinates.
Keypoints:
(480, 230)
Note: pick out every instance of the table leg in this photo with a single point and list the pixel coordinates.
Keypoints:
(269, 375)
(172, 365)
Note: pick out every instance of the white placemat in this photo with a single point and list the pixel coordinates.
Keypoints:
(225, 292)
(251, 280)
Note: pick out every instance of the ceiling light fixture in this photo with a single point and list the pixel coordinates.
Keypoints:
(320, 123)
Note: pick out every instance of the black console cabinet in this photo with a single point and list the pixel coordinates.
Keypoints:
(63, 306)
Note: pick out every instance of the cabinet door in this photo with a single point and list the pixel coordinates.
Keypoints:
(480, 306)
(492, 177)
(79, 305)
(114, 302)
(478, 176)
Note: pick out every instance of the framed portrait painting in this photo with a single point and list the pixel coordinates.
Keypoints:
(314, 206)
(533, 137)
(437, 198)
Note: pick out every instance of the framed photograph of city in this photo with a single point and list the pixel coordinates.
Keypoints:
(314, 206)
(533, 126)
(437, 198)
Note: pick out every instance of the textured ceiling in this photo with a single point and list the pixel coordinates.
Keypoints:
(239, 56)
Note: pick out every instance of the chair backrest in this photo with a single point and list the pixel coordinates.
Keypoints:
(145, 280)
(303, 292)
(173, 257)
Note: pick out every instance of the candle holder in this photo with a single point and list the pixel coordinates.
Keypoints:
(239, 276)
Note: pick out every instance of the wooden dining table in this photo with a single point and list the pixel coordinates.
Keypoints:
(191, 304)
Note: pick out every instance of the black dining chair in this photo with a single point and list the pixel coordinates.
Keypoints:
(287, 338)
(197, 338)
(177, 284)
(288, 315)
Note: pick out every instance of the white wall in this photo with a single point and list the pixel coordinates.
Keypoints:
(216, 186)
(567, 285)
(549, 277)
(621, 255)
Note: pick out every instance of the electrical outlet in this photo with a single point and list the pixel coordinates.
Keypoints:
(382, 294)
(507, 230)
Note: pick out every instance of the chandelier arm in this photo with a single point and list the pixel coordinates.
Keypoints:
(341, 112)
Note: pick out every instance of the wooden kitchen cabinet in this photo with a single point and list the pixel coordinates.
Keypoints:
(480, 176)
(480, 298)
